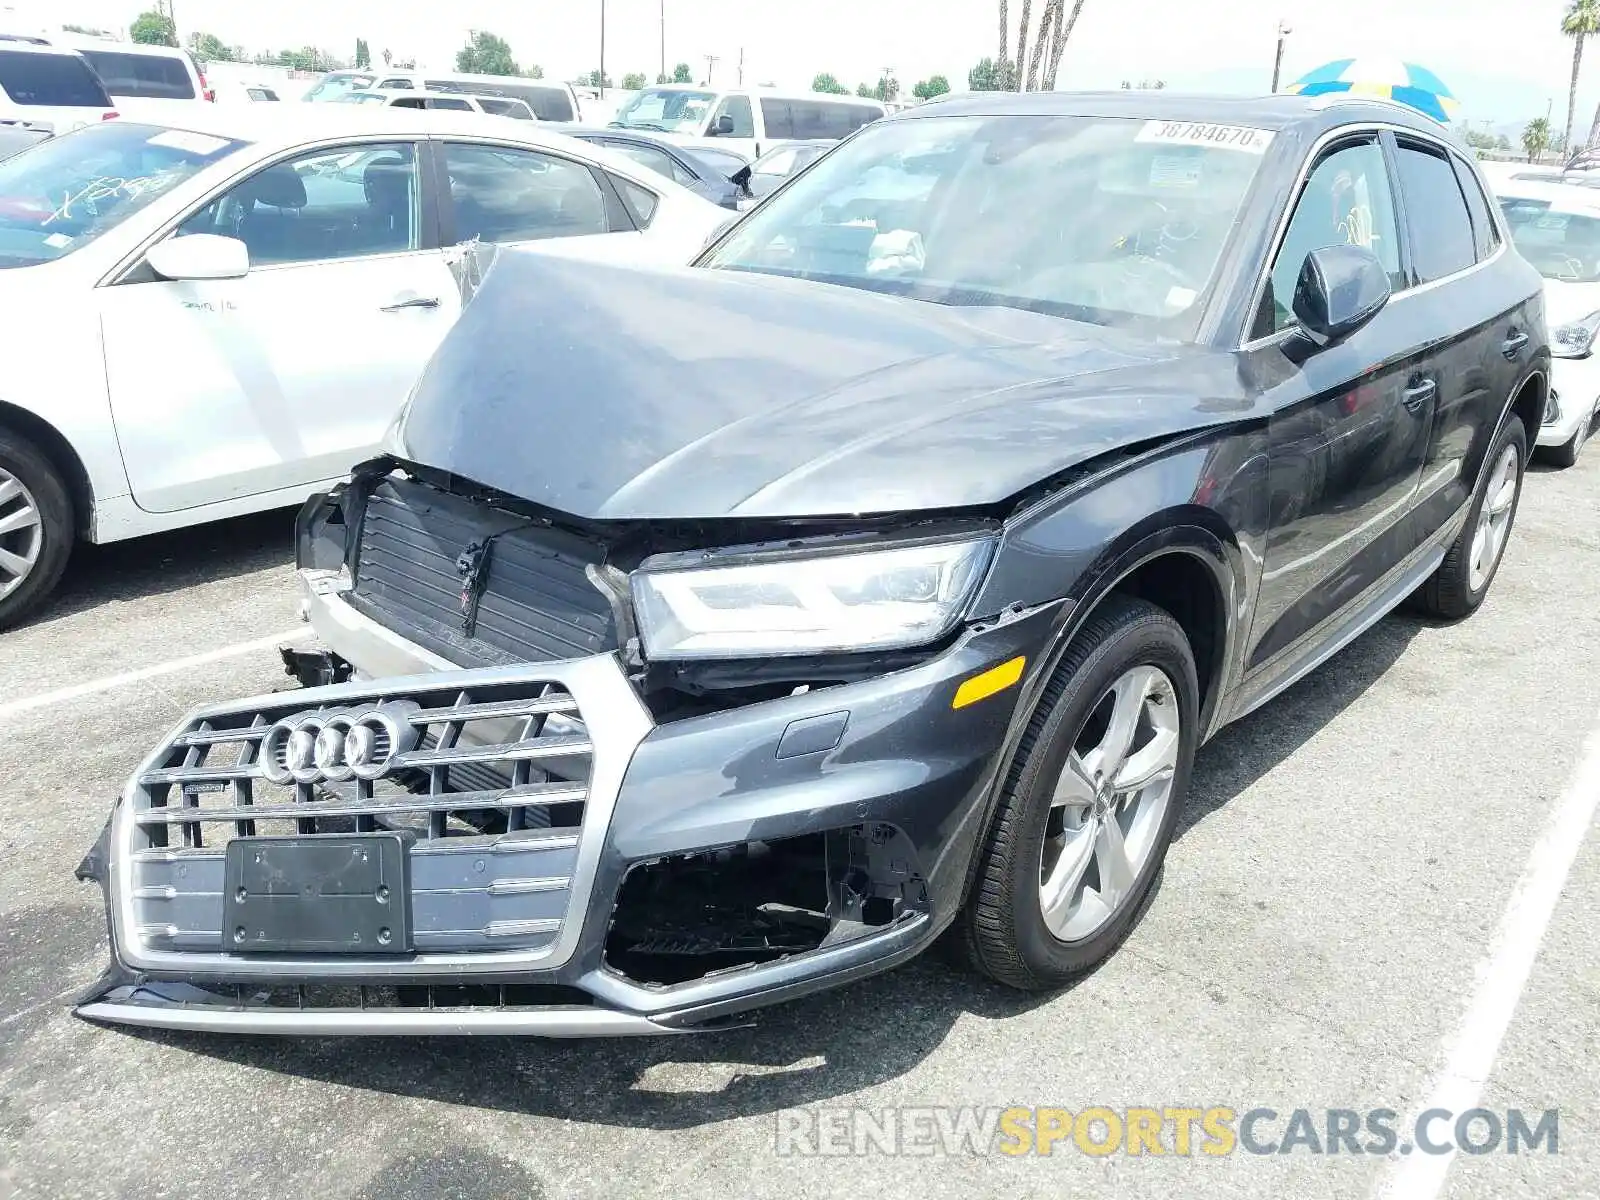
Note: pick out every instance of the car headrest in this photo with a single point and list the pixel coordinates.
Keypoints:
(387, 182)
(279, 186)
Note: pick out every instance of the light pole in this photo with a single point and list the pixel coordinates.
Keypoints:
(602, 49)
(1284, 30)
(711, 65)
(662, 77)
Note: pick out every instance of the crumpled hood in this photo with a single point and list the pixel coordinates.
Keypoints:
(615, 393)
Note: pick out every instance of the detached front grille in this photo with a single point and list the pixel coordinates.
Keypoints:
(535, 599)
(494, 776)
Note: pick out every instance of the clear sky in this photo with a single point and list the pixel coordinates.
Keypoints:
(1502, 57)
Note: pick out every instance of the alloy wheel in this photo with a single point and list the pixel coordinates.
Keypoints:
(1494, 520)
(1109, 803)
(21, 533)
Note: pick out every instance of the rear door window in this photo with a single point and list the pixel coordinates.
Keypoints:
(1485, 236)
(449, 102)
(504, 106)
(51, 80)
(502, 194)
(142, 76)
(1441, 231)
(778, 119)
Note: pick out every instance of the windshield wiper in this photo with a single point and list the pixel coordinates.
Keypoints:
(642, 125)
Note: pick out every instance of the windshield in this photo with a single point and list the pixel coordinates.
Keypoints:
(338, 83)
(665, 111)
(1119, 222)
(1561, 245)
(66, 192)
(362, 98)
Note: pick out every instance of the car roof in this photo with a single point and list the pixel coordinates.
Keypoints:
(291, 124)
(1564, 197)
(91, 43)
(35, 48)
(1275, 112)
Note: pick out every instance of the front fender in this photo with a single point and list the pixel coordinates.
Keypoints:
(1205, 499)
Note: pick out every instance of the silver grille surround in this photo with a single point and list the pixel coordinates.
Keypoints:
(615, 721)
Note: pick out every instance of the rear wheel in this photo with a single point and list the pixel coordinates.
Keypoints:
(1088, 809)
(1458, 587)
(35, 527)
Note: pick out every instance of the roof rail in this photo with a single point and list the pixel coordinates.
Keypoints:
(1334, 99)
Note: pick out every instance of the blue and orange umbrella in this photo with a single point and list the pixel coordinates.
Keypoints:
(1388, 78)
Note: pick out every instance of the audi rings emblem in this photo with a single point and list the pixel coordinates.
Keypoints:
(339, 745)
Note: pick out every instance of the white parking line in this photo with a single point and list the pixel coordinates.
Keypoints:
(1503, 973)
(12, 708)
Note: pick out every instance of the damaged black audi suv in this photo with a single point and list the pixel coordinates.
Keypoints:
(705, 636)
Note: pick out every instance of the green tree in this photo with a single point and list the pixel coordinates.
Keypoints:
(533, 71)
(1536, 137)
(633, 81)
(594, 79)
(153, 28)
(927, 89)
(824, 82)
(1480, 139)
(1580, 22)
(888, 88)
(86, 31)
(865, 92)
(208, 47)
(485, 54)
(682, 74)
(989, 76)
(363, 54)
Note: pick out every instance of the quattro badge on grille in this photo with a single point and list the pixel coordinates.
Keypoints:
(339, 745)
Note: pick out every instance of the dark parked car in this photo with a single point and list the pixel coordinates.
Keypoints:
(706, 173)
(773, 168)
(888, 593)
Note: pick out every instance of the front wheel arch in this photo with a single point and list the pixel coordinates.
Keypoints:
(55, 447)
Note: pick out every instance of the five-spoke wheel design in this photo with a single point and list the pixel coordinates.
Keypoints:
(1109, 803)
(21, 533)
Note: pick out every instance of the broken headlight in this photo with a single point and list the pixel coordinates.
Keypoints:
(814, 603)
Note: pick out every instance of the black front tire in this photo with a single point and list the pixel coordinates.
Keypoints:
(1002, 929)
(26, 463)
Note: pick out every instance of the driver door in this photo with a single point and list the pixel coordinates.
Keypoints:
(227, 389)
(1351, 422)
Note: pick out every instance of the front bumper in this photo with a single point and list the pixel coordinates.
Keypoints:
(1576, 384)
(908, 775)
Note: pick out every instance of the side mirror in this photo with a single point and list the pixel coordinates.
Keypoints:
(199, 256)
(1340, 289)
(723, 126)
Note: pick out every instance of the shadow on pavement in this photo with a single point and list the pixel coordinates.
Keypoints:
(807, 1052)
(171, 562)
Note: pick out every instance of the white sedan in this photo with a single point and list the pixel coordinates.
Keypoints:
(223, 317)
(1556, 226)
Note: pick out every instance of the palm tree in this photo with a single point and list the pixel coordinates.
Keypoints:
(1582, 20)
(1005, 28)
(1063, 31)
(1022, 40)
(1536, 137)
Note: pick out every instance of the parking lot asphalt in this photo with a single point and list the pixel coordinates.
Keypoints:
(1321, 939)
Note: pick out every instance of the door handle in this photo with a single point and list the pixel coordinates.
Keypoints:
(1418, 394)
(412, 302)
(1514, 345)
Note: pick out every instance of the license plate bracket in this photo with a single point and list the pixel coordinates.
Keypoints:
(317, 894)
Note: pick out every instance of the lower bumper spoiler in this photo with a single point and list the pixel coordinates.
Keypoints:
(556, 1021)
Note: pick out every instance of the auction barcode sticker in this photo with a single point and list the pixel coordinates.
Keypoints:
(1200, 133)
